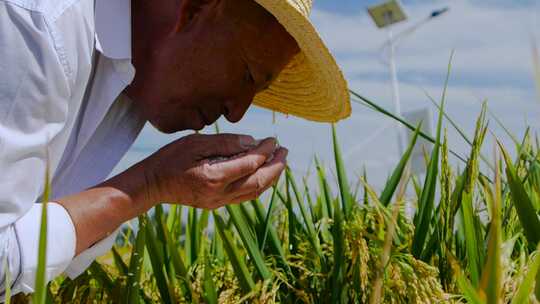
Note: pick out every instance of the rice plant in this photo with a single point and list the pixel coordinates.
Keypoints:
(473, 238)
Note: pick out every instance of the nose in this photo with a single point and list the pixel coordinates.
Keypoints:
(235, 109)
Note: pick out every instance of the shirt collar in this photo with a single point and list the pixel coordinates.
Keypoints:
(113, 28)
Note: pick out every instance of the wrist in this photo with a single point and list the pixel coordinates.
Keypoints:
(133, 189)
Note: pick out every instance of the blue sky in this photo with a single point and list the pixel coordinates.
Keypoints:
(348, 7)
(492, 44)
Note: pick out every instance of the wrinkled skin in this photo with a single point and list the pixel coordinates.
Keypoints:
(199, 59)
(197, 181)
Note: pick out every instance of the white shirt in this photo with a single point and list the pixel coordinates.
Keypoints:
(63, 66)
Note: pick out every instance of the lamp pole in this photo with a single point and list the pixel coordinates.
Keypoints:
(395, 87)
(391, 43)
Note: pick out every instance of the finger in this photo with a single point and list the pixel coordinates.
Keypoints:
(238, 200)
(247, 163)
(225, 202)
(244, 198)
(251, 196)
(262, 179)
(222, 144)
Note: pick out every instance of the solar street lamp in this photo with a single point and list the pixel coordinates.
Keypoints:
(385, 15)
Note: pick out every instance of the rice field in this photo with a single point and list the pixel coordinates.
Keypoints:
(473, 238)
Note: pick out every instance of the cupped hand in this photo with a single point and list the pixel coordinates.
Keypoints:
(210, 171)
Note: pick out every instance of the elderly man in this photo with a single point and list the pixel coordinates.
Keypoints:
(71, 101)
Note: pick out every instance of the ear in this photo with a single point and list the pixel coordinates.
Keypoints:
(188, 10)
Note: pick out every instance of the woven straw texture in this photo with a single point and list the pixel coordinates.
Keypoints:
(311, 86)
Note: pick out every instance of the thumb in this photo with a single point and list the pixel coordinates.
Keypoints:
(225, 145)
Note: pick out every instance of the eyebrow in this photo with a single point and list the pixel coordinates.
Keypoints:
(248, 76)
(269, 77)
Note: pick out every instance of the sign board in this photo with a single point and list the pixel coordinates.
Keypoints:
(422, 147)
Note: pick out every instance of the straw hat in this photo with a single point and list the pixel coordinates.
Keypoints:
(311, 86)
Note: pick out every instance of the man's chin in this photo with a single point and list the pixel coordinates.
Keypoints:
(170, 129)
(167, 129)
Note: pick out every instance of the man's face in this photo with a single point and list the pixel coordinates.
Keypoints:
(225, 53)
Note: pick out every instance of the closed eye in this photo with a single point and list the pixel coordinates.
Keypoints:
(248, 77)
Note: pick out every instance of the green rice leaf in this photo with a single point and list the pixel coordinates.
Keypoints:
(338, 272)
(99, 274)
(393, 183)
(172, 217)
(266, 224)
(292, 219)
(249, 217)
(216, 248)
(309, 201)
(343, 181)
(365, 178)
(240, 268)
(522, 203)
(49, 298)
(7, 281)
(464, 285)
(471, 222)
(210, 290)
(424, 214)
(119, 262)
(376, 294)
(491, 281)
(471, 241)
(468, 290)
(275, 244)
(249, 241)
(40, 283)
(326, 195)
(527, 285)
(177, 262)
(158, 216)
(192, 237)
(158, 264)
(136, 265)
(308, 221)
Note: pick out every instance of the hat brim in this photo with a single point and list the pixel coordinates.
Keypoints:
(312, 85)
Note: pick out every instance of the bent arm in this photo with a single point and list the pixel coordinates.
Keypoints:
(75, 223)
(100, 210)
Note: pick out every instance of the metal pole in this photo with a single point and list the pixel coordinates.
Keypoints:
(395, 89)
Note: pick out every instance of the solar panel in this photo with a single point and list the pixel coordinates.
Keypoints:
(387, 13)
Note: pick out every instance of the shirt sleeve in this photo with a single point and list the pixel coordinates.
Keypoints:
(84, 259)
(61, 239)
(34, 103)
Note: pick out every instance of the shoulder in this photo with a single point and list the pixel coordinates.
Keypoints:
(49, 9)
(68, 25)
